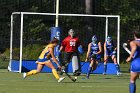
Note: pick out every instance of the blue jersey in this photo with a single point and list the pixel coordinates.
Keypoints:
(94, 49)
(135, 65)
(137, 52)
(110, 49)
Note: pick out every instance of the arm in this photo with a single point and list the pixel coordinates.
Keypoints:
(62, 45)
(89, 45)
(100, 48)
(115, 48)
(133, 49)
(61, 48)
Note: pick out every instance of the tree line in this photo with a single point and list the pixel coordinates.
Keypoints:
(129, 11)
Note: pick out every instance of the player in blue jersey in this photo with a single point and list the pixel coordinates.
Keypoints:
(110, 51)
(135, 58)
(93, 54)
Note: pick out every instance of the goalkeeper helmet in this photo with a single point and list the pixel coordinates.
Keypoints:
(109, 39)
(94, 39)
(71, 33)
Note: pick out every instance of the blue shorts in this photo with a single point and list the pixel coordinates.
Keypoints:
(42, 60)
(110, 53)
(96, 57)
(135, 65)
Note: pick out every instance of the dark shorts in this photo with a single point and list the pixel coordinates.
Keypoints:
(68, 56)
(110, 53)
(96, 57)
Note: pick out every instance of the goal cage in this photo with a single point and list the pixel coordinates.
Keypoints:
(30, 30)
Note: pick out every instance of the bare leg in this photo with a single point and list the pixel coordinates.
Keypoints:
(33, 72)
(50, 65)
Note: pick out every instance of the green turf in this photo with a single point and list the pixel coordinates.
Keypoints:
(45, 83)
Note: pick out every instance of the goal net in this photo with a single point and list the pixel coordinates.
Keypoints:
(30, 32)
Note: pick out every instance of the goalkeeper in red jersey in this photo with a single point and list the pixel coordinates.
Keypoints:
(70, 46)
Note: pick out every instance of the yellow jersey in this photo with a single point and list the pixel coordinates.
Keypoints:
(45, 53)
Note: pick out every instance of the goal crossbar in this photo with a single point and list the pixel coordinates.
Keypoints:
(86, 15)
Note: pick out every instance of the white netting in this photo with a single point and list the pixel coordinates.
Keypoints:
(36, 31)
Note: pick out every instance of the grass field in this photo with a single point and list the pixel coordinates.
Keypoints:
(45, 83)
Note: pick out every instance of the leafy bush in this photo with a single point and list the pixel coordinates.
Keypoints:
(31, 52)
(4, 59)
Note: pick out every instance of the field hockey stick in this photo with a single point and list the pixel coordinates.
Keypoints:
(73, 79)
(125, 48)
(83, 64)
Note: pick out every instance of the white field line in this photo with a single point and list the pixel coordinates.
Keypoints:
(101, 86)
(63, 85)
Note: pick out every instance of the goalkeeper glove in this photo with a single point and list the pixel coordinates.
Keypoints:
(80, 49)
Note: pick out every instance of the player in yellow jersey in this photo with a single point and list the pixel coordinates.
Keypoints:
(45, 59)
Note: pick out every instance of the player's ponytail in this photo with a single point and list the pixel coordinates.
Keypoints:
(137, 33)
(54, 40)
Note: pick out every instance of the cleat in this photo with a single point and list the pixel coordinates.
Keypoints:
(87, 77)
(24, 75)
(119, 73)
(104, 73)
(61, 79)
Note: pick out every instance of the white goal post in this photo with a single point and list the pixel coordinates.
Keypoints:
(59, 14)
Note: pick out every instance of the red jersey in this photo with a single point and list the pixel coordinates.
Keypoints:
(70, 44)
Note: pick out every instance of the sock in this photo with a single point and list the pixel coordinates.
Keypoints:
(55, 74)
(89, 70)
(105, 68)
(132, 88)
(32, 72)
(117, 67)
